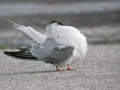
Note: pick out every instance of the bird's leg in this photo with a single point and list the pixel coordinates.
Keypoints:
(69, 68)
(57, 68)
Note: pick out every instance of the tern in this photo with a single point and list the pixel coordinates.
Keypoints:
(61, 45)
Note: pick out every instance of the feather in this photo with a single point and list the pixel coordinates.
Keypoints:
(29, 31)
(20, 54)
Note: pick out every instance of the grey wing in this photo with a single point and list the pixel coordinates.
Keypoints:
(52, 52)
(58, 55)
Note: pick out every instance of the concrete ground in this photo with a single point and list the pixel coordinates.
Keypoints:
(99, 71)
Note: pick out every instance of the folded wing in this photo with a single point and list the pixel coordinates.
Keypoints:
(52, 52)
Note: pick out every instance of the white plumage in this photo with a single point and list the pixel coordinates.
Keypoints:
(69, 35)
(57, 36)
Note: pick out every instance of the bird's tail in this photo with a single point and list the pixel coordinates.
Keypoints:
(20, 54)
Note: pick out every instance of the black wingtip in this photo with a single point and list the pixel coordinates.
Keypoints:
(20, 54)
(10, 53)
(7, 53)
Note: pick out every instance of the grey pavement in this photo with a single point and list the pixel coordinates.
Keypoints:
(49, 1)
(100, 70)
(14, 9)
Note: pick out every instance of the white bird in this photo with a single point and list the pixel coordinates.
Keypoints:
(60, 46)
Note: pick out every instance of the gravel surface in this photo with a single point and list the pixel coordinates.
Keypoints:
(99, 71)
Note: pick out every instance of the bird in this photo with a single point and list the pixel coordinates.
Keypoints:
(61, 44)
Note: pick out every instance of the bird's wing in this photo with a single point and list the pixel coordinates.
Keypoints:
(23, 54)
(52, 52)
(30, 32)
(58, 55)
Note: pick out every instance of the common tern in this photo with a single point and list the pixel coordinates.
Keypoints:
(60, 45)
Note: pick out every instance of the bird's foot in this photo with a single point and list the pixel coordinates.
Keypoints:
(69, 68)
(59, 70)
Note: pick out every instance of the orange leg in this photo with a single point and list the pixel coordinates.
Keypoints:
(69, 68)
(57, 68)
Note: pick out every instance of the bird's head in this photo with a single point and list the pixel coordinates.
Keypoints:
(52, 25)
(55, 22)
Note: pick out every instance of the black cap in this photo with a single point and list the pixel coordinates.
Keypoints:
(54, 21)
